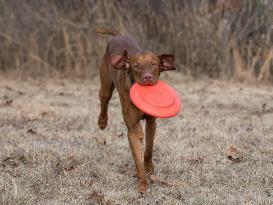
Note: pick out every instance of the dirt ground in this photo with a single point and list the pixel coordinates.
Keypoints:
(219, 150)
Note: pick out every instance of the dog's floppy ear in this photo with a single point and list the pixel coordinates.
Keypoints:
(166, 62)
(120, 62)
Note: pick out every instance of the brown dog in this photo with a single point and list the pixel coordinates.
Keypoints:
(124, 63)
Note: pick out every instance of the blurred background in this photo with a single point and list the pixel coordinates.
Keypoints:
(226, 39)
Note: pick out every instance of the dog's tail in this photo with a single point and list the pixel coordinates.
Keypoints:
(107, 31)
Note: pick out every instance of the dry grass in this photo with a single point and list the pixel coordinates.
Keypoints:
(217, 151)
(48, 38)
(246, 68)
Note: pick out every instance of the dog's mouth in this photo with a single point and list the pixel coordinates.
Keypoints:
(148, 83)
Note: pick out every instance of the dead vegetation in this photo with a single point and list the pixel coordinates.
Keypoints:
(217, 151)
(215, 38)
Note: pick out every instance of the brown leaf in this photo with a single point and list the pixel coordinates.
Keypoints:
(31, 131)
(7, 102)
(61, 93)
(233, 154)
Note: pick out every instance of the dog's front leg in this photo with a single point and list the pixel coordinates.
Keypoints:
(132, 117)
(135, 133)
(150, 134)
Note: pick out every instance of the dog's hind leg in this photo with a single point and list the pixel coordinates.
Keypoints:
(105, 93)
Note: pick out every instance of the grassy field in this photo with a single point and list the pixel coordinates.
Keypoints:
(217, 151)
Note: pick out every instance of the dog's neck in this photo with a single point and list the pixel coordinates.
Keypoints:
(131, 78)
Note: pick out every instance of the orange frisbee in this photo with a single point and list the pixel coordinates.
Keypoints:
(159, 100)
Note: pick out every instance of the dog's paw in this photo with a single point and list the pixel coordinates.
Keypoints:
(142, 187)
(102, 122)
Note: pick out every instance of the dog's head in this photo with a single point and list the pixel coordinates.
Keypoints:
(145, 67)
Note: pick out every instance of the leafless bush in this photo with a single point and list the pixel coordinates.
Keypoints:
(215, 38)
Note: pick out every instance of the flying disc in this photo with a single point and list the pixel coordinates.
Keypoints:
(159, 100)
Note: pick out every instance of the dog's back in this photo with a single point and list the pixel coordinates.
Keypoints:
(118, 44)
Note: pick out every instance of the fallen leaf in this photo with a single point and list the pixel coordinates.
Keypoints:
(61, 93)
(233, 154)
(7, 102)
(31, 131)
